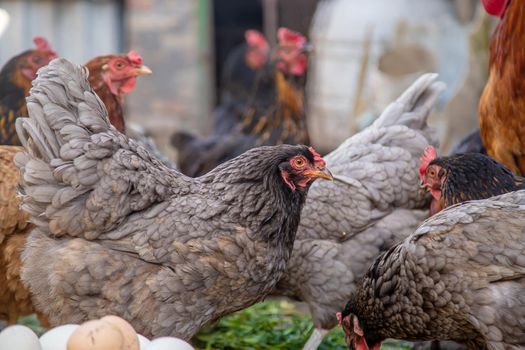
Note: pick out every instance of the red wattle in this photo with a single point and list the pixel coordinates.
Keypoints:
(128, 85)
(361, 344)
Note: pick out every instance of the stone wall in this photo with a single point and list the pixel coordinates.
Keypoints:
(173, 38)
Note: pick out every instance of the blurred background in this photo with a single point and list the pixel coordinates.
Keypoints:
(366, 53)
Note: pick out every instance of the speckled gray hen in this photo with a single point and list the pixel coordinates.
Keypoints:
(120, 233)
(373, 202)
(460, 276)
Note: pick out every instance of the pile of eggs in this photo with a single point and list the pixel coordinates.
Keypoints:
(107, 333)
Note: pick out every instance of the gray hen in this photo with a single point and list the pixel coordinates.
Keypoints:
(373, 202)
(120, 233)
(460, 276)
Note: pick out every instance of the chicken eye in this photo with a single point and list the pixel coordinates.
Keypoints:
(299, 162)
(37, 59)
(432, 172)
(119, 65)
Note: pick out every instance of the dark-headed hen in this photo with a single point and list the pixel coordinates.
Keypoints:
(245, 74)
(460, 276)
(469, 176)
(15, 81)
(118, 232)
(275, 115)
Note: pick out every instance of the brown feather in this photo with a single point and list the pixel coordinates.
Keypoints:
(502, 104)
(112, 102)
(15, 300)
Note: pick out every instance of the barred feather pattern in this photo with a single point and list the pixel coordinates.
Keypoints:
(118, 232)
(373, 202)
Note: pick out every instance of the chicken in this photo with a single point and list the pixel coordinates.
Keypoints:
(472, 143)
(14, 297)
(245, 72)
(15, 300)
(470, 176)
(460, 276)
(502, 105)
(276, 116)
(113, 76)
(119, 233)
(373, 202)
(15, 82)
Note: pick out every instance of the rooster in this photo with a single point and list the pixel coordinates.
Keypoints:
(111, 77)
(502, 104)
(15, 82)
(276, 116)
(118, 232)
(460, 276)
(463, 177)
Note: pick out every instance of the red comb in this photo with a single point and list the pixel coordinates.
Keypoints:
(286, 37)
(135, 58)
(429, 154)
(255, 38)
(317, 156)
(42, 44)
(495, 7)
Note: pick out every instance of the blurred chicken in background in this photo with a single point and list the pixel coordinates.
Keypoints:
(15, 81)
(245, 72)
(502, 105)
(275, 115)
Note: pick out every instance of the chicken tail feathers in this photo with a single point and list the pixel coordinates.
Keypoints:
(419, 99)
(80, 176)
(62, 107)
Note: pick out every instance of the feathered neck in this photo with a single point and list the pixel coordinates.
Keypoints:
(475, 176)
(506, 47)
(252, 187)
(112, 102)
(282, 117)
(11, 79)
(290, 98)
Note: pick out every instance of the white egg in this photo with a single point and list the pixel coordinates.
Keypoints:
(56, 338)
(20, 338)
(169, 343)
(143, 341)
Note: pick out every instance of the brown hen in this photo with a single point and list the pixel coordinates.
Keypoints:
(15, 82)
(111, 76)
(502, 104)
(15, 300)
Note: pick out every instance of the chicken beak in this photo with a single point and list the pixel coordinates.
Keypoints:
(143, 70)
(322, 173)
